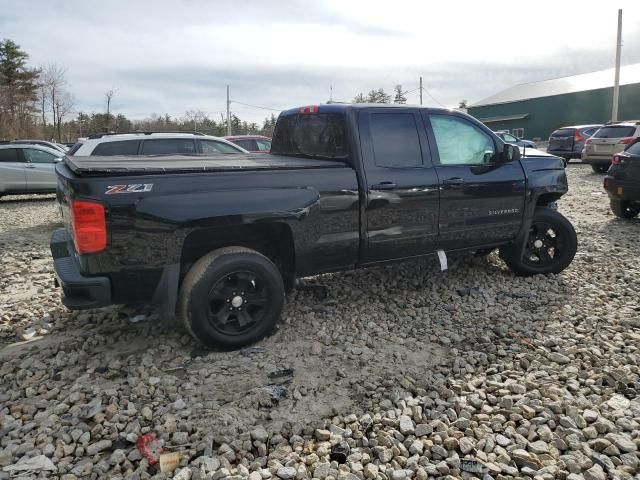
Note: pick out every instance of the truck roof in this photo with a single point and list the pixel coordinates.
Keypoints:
(344, 107)
(155, 164)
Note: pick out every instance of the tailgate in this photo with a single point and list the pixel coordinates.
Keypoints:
(561, 143)
(603, 146)
(64, 193)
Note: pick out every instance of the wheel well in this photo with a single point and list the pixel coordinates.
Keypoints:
(273, 240)
(546, 198)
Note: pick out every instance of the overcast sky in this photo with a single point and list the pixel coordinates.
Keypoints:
(172, 56)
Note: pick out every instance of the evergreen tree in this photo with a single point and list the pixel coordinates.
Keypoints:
(378, 96)
(18, 91)
(399, 96)
(359, 98)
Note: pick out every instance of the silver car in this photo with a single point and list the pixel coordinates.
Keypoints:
(27, 169)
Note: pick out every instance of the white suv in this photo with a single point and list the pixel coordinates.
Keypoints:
(152, 143)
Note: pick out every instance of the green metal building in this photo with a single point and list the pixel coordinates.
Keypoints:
(534, 110)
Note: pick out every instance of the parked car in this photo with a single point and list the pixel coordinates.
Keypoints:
(508, 138)
(152, 143)
(622, 182)
(608, 140)
(43, 143)
(252, 143)
(568, 142)
(345, 186)
(27, 169)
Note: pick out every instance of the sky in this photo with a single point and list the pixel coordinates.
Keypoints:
(166, 56)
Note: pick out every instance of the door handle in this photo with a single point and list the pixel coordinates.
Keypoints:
(453, 181)
(29, 165)
(384, 186)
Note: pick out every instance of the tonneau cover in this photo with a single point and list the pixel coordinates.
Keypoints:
(155, 164)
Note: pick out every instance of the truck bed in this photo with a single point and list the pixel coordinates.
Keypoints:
(157, 164)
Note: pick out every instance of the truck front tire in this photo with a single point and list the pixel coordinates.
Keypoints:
(550, 247)
(231, 297)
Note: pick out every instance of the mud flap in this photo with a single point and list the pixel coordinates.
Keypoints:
(165, 296)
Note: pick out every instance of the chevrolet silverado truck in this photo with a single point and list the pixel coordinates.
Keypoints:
(219, 240)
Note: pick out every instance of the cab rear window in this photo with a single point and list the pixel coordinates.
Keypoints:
(320, 135)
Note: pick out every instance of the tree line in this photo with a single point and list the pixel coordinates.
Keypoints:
(39, 103)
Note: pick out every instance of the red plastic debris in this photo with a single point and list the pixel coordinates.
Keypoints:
(149, 447)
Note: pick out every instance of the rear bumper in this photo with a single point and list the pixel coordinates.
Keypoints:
(597, 159)
(79, 292)
(621, 190)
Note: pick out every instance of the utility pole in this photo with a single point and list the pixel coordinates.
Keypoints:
(228, 113)
(616, 84)
(420, 90)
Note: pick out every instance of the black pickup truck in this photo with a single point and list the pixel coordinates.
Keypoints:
(219, 240)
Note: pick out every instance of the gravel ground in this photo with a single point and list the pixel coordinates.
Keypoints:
(471, 373)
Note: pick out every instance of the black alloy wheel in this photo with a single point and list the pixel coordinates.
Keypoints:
(543, 245)
(550, 246)
(238, 302)
(231, 297)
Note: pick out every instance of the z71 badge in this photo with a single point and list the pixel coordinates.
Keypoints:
(132, 188)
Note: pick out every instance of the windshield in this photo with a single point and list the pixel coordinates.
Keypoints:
(320, 135)
(615, 132)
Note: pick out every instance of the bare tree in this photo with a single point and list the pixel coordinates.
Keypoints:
(108, 95)
(195, 116)
(54, 81)
(64, 104)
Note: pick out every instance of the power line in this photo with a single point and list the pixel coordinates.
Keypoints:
(257, 106)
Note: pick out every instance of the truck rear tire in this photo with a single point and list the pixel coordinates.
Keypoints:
(231, 297)
(550, 247)
(624, 209)
(599, 168)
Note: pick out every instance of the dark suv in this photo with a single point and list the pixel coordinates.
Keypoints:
(622, 182)
(568, 142)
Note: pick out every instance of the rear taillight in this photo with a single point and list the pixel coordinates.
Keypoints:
(626, 141)
(589, 142)
(577, 137)
(89, 226)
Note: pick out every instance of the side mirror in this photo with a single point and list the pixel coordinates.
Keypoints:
(511, 153)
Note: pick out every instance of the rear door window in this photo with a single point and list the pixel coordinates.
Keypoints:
(247, 144)
(395, 140)
(589, 131)
(212, 146)
(125, 147)
(38, 156)
(615, 132)
(263, 145)
(168, 146)
(10, 155)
